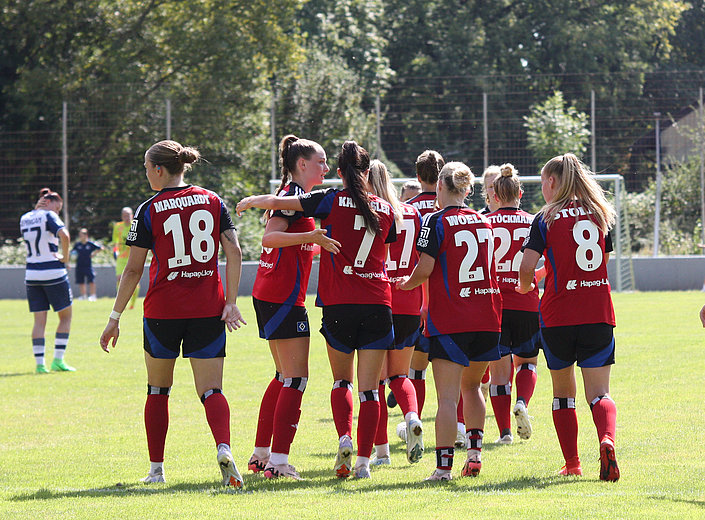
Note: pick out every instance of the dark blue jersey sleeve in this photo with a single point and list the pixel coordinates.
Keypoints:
(318, 203)
(431, 234)
(292, 190)
(536, 240)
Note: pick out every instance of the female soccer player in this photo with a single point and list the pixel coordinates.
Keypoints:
(520, 317)
(278, 296)
(184, 307)
(463, 323)
(354, 291)
(577, 317)
(406, 310)
(428, 166)
(488, 178)
(46, 277)
(121, 250)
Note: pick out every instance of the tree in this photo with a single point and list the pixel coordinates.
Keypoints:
(116, 63)
(552, 128)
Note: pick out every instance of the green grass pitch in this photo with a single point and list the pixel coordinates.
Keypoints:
(72, 446)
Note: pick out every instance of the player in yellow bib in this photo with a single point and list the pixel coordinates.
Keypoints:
(120, 250)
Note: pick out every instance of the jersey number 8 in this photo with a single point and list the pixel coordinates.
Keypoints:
(202, 244)
(587, 245)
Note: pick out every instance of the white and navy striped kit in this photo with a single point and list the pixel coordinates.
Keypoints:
(39, 229)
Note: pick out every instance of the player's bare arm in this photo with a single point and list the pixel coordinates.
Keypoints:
(268, 202)
(420, 274)
(233, 264)
(527, 271)
(275, 235)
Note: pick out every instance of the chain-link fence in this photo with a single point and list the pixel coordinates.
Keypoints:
(479, 120)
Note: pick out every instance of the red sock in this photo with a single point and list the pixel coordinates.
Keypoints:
(566, 422)
(525, 382)
(420, 388)
(381, 435)
(218, 416)
(265, 421)
(501, 397)
(156, 422)
(286, 419)
(486, 377)
(405, 394)
(604, 415)
(367, 420)
(341, 403)
(459, 411)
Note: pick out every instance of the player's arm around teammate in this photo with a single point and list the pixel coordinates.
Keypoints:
(278, 296)
(355, 295)
(456, 246)
(577, 316)
(185, 307)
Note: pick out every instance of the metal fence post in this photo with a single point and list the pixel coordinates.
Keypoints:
(593, 159)
(486, 142)
(657, 210)
(168, 118)
(65, 161)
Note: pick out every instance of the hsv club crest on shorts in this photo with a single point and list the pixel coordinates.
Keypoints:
(302, 326)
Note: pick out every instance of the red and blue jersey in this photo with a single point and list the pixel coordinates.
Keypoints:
(425, 202)
(356, 275)
(510, 227)
(283, 272)
(577, 290)
(401, 261)
(463, 291)
(182, 227)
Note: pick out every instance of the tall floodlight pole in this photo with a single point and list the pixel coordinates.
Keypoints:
(657, 211)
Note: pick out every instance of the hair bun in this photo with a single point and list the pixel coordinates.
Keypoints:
(189, 155)
(507, 170)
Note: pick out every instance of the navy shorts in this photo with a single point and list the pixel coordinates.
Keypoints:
(202, 338)
(406, 330)
(422, 344)
(350, 327)
(463, 347)
(85, 275)
(41, 296)
(591, 345)
(281, 321)
(519, 336)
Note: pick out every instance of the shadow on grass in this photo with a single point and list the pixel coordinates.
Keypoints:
(19, 374)
(699, 503)
(314, 480)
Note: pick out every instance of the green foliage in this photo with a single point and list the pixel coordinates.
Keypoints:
(680, 231)
(552, 128)
(322, 101)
